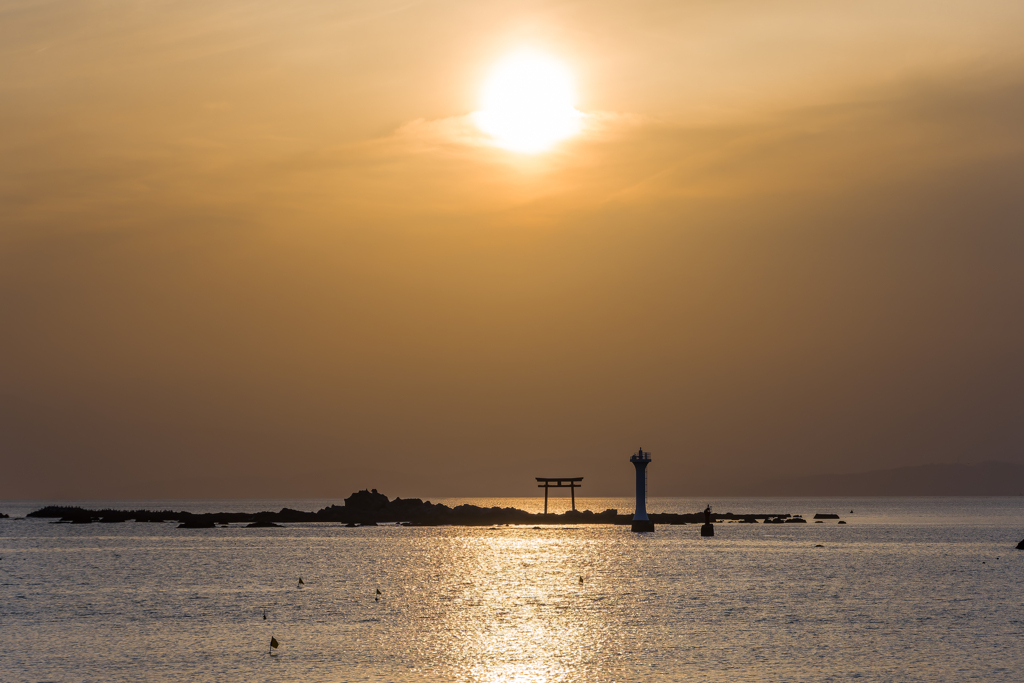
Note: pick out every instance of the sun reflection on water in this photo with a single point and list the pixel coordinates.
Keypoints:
(523, 616)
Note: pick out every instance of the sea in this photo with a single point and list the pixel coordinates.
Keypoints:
(909, 589)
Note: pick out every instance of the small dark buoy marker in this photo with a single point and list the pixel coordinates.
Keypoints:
(707, 529)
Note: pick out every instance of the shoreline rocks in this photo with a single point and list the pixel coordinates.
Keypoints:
(369, 508)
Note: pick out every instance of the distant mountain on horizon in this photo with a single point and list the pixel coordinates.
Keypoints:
(983, 479)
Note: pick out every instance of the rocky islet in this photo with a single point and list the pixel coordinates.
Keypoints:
(369, 508)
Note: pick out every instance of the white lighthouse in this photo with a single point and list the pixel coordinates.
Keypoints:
(640, 461)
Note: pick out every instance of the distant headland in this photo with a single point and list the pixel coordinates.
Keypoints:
(368, 508)
(981, 479)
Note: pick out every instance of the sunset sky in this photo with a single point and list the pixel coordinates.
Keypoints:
(255, 248)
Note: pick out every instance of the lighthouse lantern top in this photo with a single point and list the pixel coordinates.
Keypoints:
(640, 456)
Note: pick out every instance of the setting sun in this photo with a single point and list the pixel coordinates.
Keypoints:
(527, 103)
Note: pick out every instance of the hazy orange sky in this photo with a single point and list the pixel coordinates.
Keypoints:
(260, 248)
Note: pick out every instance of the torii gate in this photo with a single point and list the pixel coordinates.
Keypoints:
(558, 484)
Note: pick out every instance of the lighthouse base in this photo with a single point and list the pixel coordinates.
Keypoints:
(707, 529)
(642, 525)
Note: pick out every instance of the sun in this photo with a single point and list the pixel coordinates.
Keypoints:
(527, 103)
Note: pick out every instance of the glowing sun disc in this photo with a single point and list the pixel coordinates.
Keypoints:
(527, 103)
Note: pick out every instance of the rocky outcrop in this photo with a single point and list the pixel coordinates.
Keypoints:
(70, 514)
(367, 501)
(826, 515)
(1020, 546)
(369, 508)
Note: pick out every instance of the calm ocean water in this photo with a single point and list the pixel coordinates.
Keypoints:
(922, 589)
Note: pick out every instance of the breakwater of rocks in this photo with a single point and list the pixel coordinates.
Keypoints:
(368, 508)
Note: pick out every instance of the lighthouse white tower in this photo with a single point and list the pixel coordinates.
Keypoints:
(640, 461)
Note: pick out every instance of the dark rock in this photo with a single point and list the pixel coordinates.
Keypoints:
(76, 516)
(796, 520)
(826, 515)
(3, 516)
(642, 525)
(660, 518)
(707, 529)
(368, 508)
(262, 525)
(366, 501)
(55, 511)
(1020, 546)
(154, 517)
(842, 521)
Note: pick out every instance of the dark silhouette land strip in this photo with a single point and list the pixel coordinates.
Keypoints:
(367, 508)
